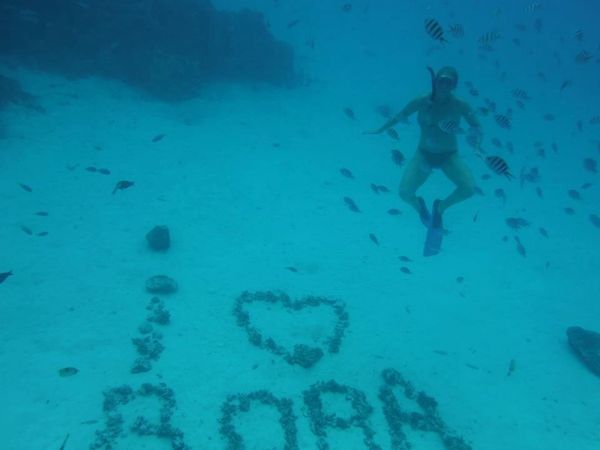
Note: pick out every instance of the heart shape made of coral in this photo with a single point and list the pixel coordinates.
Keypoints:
(302, 354)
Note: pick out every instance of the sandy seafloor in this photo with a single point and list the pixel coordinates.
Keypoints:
(247, 179)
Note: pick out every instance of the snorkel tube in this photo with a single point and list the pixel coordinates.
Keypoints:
(432, 73)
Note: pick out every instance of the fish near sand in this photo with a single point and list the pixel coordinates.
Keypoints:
(25, 187)
(5, 275)
(351, 204)
(121, 185)
(346, 173)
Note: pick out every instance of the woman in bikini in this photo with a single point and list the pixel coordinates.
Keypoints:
(439, 115)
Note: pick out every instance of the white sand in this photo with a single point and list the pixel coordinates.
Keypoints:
(240, 211)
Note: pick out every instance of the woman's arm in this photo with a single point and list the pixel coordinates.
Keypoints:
(412, 107)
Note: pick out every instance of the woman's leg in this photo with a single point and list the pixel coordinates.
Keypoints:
(458, 172)
(415, 174)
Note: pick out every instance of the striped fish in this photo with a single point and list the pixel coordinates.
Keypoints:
(520, 94)
(435, 30)
(457, 30)
(486, 40)
(503, 120)
(498, 166)
(450, 126)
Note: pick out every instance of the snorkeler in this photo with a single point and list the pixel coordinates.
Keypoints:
(439, 116)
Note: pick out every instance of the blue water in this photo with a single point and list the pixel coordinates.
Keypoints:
(246, 175)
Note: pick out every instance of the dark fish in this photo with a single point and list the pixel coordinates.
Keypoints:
(158, 137)
(394, 212)
(88, 422)
(510, 147)
(595, 120)
(456, 30)
(549, 117)
(541, 152)
(405, 270)
(347, 7)
(520, 247)
(25, 187)
(349, 113)
(543, 232)
(499, 193)
(393, 134)
(475, 216)
(498, 166)
(68, 371)
(532, 175)
(435, 30)
(64, 444)
(104, 171)
(5, 275)
(374, 238)
(565, 84)
(593, 218)
(41, 213)
(503, 121)
(42, 233)
(398, 157)
(346, 172)
(292, 23)
(574, 194)
(590, 165)
(586, 185)
(383, 188)
(404, 258)
(511, 367)
(123, 184)
(539, 192)
(26, 230)
(460, 279)
(375, 188)
(582, 57)
(569, 211)
(291, 269)
(351, 204)
(485, 176)
(516, 223)
(91, 169)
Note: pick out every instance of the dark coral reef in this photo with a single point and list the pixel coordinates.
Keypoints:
(168, 48)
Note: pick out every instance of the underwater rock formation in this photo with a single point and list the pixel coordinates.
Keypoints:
(161, 284)
(168, 48)
(159, 238)
(586, 346)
